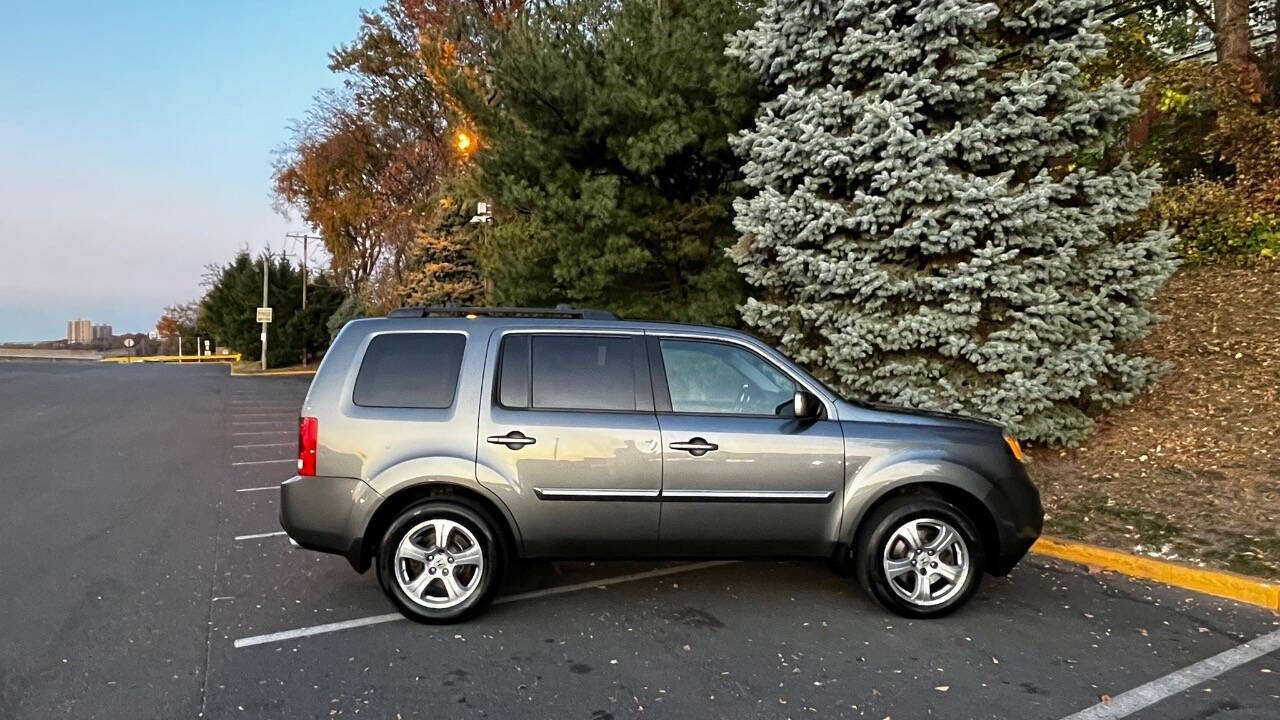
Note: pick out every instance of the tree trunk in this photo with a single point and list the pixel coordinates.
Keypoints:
(1273, 61)
(1231, 32)
(1233, 39)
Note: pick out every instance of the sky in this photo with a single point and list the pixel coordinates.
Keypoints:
(136, 143)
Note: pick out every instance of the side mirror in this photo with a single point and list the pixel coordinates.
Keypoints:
(807, 405)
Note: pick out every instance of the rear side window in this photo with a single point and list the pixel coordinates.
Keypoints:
(410, 370)
(513, 387)
(578, 372)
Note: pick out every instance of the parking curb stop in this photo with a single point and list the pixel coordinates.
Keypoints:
(1220, 583)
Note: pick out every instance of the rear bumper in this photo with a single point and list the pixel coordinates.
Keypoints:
(327, 514)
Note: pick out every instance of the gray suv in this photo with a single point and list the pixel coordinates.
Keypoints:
(441, 444)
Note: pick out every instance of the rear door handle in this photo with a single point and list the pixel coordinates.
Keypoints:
(514, 440)
(696, 446)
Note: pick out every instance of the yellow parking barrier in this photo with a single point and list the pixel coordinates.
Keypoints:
(184, 359)
(1241, 588)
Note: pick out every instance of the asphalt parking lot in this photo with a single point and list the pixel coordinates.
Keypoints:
(145, 576)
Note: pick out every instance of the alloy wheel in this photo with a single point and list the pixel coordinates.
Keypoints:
(926, 562)
(439, 564)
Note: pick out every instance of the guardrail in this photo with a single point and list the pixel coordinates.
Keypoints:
(232, 358)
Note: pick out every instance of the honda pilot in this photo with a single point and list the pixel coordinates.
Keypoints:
(439, 445)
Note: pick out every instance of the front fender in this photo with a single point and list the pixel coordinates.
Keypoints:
(871, 484)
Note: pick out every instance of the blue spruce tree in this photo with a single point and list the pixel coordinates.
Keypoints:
(936, 216)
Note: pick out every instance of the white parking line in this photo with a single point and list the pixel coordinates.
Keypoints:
(265, 462)
(255, 536)
(545, 592)
(267, 402)
(258, 489)
(264, 432)
(261, 422)
(258, 445)
(263, 404)
(272, 401)
(263, 414)
(1144, 696)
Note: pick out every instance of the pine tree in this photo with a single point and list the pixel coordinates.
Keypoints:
(440, 272)
(930, 222)
(604, 151)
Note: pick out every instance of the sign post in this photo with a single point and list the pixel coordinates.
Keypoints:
(264, 317)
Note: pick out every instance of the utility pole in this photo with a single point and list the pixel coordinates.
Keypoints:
(304, 238)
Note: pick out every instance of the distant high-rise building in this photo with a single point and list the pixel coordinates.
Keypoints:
(101, 332)
(79, 331)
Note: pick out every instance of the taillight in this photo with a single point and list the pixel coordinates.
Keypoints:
(308, 430)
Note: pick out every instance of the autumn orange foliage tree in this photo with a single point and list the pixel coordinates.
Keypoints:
(370, 165)
(178, 320)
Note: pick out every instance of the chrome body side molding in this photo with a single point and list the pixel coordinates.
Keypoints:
(594, 494)
(760, 496)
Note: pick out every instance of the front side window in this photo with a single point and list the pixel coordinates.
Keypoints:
(714, 378)
(582, 372)
(410, 370)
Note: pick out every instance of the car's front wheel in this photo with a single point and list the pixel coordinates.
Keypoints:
(919, 556)
(439, 561)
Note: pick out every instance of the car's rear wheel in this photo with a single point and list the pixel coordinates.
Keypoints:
(919, 556)
(439, 561)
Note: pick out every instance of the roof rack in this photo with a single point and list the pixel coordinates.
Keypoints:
(559, 311)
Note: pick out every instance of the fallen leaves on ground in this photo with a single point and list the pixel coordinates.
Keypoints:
(1191, 469)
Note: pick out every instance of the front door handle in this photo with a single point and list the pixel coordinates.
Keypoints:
(514, 440)
(696, 446)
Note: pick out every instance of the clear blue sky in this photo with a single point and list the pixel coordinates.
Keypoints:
(136, 143)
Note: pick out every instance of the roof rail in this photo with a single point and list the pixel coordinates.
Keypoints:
(559, 311)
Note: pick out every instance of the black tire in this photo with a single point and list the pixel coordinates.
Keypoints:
(487, 537)
(878, 530)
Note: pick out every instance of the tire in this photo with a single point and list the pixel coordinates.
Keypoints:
(887, 537)
(452, 583)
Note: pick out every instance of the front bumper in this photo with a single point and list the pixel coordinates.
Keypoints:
(327, 514)
(1019, 523)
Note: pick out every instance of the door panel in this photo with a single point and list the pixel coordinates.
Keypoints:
(587, 486)
(771, 486)
(571, 442)
(741, 474)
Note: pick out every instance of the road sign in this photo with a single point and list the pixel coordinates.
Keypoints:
(128, 342)
(264, 315)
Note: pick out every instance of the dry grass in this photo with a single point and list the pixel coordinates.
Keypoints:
(1191, 470)
(255, 368)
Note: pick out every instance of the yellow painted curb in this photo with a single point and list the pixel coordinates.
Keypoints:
(1221, 583)
(275, 373)
(172, 359)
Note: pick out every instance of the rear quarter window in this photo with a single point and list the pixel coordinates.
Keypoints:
(410, 370)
